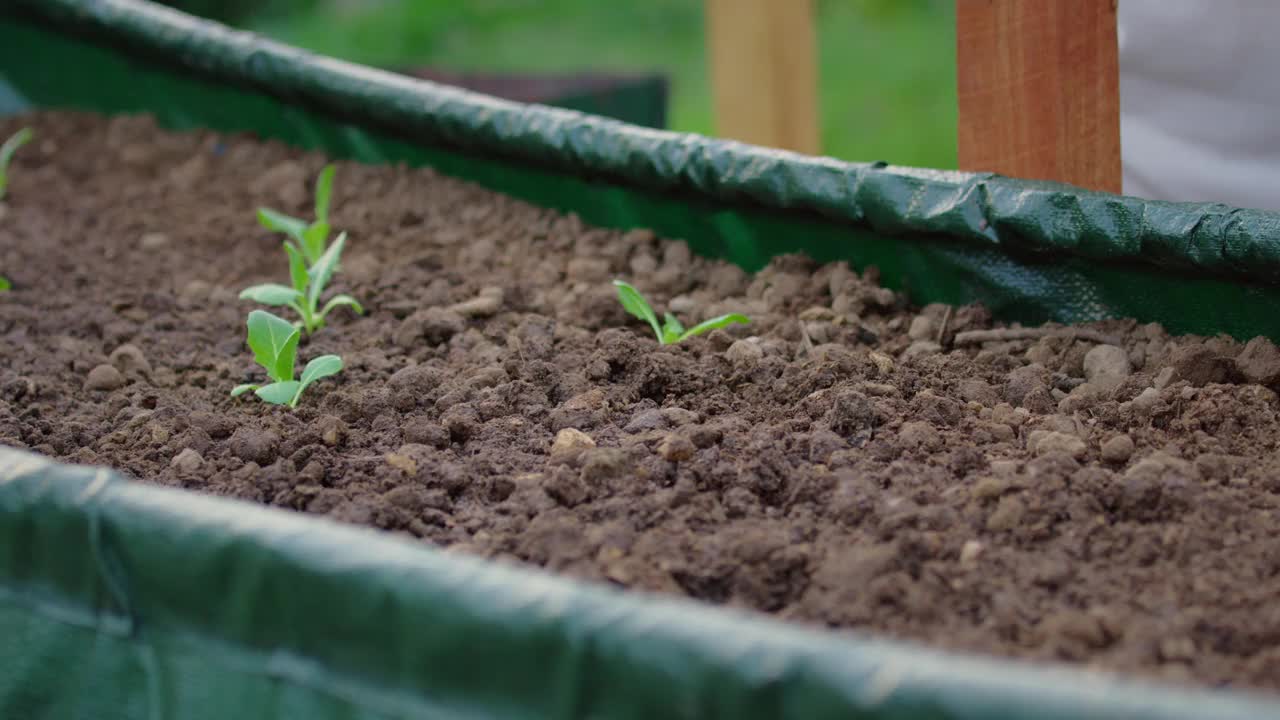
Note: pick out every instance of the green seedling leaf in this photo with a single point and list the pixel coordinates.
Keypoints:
(324, 190)
(714, 323)
(339, 301)
(297, 269)
(239, 390)
(271, 294)
(4, 283)
(274, 342)
(321, 367)
(634, 303)
(314, 239)
(279, 393)
(10, 146)
(281, 223)
(671, 329)
(319, 273)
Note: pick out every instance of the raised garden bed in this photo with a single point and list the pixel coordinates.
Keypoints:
(1105, 495)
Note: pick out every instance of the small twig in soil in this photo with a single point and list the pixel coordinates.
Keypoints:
(806, 342)
(976, 337)
(944, 326)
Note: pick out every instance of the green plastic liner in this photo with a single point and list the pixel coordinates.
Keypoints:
(123, 600)
(120, 600)
(1030, 251)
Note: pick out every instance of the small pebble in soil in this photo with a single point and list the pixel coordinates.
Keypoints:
(1117, 450)
(153, 241)
(917, 434)
(744, 353)
(1007, 515)
(676, 447)
(1146, 400)
(332, 430)
(569, 444)
(254, 445)
(187, 461)
(1200, 366)
(128, 358)
(1042, 443)
(970, 551)
(425, 431)
(650, 419)
(1105, 367)
(1259, 362)
(104, 378)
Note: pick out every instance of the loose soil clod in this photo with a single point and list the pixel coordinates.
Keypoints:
(1019, 493)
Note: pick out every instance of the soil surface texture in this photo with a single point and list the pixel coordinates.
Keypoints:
(1107, 495)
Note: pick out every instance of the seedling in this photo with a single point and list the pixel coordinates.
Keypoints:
(308, 284)
(274, 342)
(10, 146)
(4, 283)
(307, 238)
(670, 330)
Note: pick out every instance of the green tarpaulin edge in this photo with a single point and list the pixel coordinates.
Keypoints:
(1032, 252)
(139, 601)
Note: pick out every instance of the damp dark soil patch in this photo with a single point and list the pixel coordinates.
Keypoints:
(1108, 496)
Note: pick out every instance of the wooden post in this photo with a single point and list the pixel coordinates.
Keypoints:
(763, 70)
(1039, 90)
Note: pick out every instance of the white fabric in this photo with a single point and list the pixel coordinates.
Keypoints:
(1200, 100)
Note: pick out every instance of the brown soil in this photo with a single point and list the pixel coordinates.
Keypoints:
(831, 463)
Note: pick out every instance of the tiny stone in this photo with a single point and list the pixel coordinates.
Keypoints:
(1106, 366)
(970, 551)
(920, 348)
(255, 446)
(332, 430)
(104, 377)
(186, 461)
(424, 431)
(1118, 449)
(988, 488)
(679, 416)
(918, 434)
(589, 270)
(403, 463)
(744, 352)
(676, 448)
(1043, 443)
(1146, 400)
(884, 363)
(1007, 515)
(651, 419)
(922, 328)
(128, 358)
(1259, 362)
(153, 240)
(569, 443)
(682, 305)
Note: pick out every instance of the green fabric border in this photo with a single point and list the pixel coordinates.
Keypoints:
(983, 209)
(1018, 284)
(141, 601)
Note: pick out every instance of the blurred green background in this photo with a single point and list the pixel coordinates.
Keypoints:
(887, 67)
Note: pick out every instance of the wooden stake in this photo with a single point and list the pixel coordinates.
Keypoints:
(763, 70)
(1039, 90)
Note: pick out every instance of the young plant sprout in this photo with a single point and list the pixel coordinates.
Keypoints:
(308, 284)
(10, 146)
(309, 239)
(274, 342)
(670, 330)
(4, 283)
